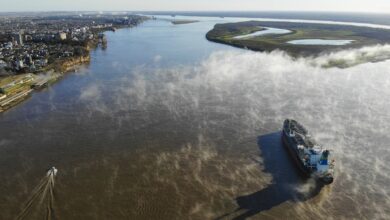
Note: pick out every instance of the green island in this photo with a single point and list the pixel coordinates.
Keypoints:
(358, 36)
(177, 22)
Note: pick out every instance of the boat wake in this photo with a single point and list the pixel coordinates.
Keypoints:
(42, 197)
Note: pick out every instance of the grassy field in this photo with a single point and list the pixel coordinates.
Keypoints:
(18, 87)
(362, 36)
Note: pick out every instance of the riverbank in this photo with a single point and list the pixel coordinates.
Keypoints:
(14, 89)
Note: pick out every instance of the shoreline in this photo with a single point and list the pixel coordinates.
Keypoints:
(229, 33)
(55, 70)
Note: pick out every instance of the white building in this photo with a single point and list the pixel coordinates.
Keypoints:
(62, 36)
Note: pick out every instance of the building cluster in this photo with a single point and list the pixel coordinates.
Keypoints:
(32, 43)
(31, 47)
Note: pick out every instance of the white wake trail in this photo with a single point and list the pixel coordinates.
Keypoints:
(42, 197)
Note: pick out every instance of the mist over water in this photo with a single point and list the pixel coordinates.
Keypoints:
(186, 138)
(241, 93)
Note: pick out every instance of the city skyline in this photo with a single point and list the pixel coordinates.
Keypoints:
(378, 6)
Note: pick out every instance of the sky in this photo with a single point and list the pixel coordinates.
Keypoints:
(380, 6)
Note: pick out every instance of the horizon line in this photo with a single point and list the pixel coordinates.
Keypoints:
(200, 11)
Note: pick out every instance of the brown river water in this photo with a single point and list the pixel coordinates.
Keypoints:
(166, 125)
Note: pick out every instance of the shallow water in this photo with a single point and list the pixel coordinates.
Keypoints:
(267, 31)
(166, 125)
(320, 42)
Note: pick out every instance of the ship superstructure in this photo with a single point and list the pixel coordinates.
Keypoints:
(312, 159)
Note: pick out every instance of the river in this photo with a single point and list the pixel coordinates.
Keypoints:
(166, 125)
